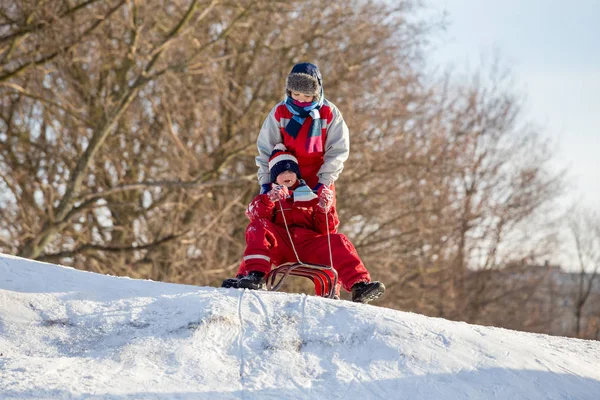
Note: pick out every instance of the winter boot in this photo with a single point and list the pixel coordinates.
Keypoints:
(231, 282)
(254, 280)
(364, 292)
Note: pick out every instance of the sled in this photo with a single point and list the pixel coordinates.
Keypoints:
(324, 277)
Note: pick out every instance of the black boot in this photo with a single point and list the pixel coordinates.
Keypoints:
(364, 292)
(231, 282)
(254, 280)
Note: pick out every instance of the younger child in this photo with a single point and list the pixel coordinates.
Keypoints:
(308, 218)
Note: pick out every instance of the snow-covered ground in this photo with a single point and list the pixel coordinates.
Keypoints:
(68, 334)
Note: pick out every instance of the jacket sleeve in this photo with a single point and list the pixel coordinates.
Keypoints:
(260, 207)
(337, 148)
(326, 222)
(268, 137)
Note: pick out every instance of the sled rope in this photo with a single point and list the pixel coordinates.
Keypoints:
(288, 231)
(292, 242)
(316, 272)
(328, 238)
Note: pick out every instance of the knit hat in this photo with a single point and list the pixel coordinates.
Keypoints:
(305, 78)
(282, 160)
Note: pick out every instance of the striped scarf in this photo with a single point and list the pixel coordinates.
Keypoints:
(303, 193)
(313, 142)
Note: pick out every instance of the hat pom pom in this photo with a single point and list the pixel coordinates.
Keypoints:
(280, 147)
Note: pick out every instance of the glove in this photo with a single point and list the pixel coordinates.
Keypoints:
(325, 199)
(264, 188)
(278, 193)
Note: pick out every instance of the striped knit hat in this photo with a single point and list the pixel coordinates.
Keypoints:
(282, 160)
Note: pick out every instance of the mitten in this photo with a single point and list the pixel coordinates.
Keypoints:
(325, 199)
(264, 188)
(318, 187)
(278, 193)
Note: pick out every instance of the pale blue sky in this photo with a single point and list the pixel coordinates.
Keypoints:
(553, 51)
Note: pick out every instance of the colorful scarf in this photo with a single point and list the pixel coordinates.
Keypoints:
(314, 144)
(303, 193)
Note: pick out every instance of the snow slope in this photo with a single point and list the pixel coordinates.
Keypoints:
(69, 334)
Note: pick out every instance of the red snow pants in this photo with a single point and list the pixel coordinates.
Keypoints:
(268, 243)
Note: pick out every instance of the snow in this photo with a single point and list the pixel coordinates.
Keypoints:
(68, 334)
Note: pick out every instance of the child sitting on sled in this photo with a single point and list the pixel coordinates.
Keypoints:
(309, 219)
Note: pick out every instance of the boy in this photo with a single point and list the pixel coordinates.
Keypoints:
(311, 128)
(304, 213)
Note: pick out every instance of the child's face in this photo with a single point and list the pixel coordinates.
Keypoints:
(302, 98)
(287, 178)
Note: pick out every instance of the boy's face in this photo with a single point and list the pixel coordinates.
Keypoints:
(302, 98)
(287, 178)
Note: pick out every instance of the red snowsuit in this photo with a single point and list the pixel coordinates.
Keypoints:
(267, 241)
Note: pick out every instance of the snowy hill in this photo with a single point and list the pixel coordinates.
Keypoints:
(71, 334)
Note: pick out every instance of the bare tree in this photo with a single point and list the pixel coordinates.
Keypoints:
(446, 188)
(584, 225)
(92, 136)
(129, 127)
(503, 181)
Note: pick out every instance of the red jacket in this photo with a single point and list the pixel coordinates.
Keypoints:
(297, 214)
(317, 167)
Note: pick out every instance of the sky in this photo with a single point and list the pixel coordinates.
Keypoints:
(553, 50)
(70, 334)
